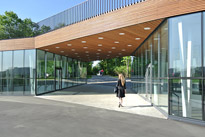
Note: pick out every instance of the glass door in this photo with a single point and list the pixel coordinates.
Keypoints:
(58, 78)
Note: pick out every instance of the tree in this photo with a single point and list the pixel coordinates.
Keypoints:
(11, 26)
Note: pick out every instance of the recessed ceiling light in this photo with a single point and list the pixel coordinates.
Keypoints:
(109, 51)
(86, 51)
(76, 53)
(72, 49)
(85, 47)
(47, 49)
(129, 45)
(113, 47)
(62, 51)
(116, 42)
(100, 38)
(121, 33)
(57, 47)
(137, 38)
(69, 45)
(83, 41)
(100, 45)
(147, 28)
(123, 50)
(99, 50)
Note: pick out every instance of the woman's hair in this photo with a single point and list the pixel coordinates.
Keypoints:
(122, 78)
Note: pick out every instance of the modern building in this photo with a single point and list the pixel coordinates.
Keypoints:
(165, 38)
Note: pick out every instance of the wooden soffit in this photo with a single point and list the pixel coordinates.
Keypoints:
(111, 44)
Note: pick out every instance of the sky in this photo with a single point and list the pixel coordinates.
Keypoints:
(36, 10)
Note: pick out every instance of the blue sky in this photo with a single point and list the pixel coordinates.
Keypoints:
(37, 10)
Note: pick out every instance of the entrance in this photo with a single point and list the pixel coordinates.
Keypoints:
(58, 78)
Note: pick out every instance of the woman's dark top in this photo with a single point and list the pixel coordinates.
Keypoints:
(121, 89)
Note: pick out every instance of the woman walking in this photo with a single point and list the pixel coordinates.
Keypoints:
(121, 85)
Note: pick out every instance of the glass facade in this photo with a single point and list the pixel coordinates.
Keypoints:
(30, 72)
(17, 72)
(55, 72)
(168, 67)
(185, 66)
(150, 68)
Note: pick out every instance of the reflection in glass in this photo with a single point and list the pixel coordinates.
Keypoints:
(18, 71)
(30, 71)
(41, 79)
(185, 46)
(7, 71)
(186, 98)
(50, 72)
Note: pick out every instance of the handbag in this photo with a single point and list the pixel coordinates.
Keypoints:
(115, 90)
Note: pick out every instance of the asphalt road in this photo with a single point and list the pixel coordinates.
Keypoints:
(34, 117)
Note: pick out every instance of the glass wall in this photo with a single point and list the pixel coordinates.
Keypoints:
(55, 72)
(150, 67)
(171, 61)
(185, 65)
(17, 72)
(185, 46)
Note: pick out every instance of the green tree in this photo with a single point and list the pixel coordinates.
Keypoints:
(11, 26)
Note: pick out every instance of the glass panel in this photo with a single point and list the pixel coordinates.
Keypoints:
(29, 86)
(30, 69)
(30, 61)
(41, 81)
(18, 85)
(163, 50)
(18, 66)
(160, 94)
(58, 79)
(7, 71)
(185, 46)
(64, 71)
(186, 98)
(70, 72)
(7, 64)
(58, 61)
(18, 71)
(50, 72)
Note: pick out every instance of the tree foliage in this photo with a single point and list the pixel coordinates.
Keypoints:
(11, 26)
(116, 65)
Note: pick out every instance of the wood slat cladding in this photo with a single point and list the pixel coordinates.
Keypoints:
(112, 45)
(131, 15)
(17, 44)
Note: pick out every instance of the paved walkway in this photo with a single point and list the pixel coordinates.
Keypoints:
(103, 97)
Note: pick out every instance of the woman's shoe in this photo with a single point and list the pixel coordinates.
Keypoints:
(119, 105)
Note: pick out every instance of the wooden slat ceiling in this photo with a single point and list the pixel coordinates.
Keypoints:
(111, 46)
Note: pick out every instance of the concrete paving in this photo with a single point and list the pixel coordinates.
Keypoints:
(71, 113)
(103, 97)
